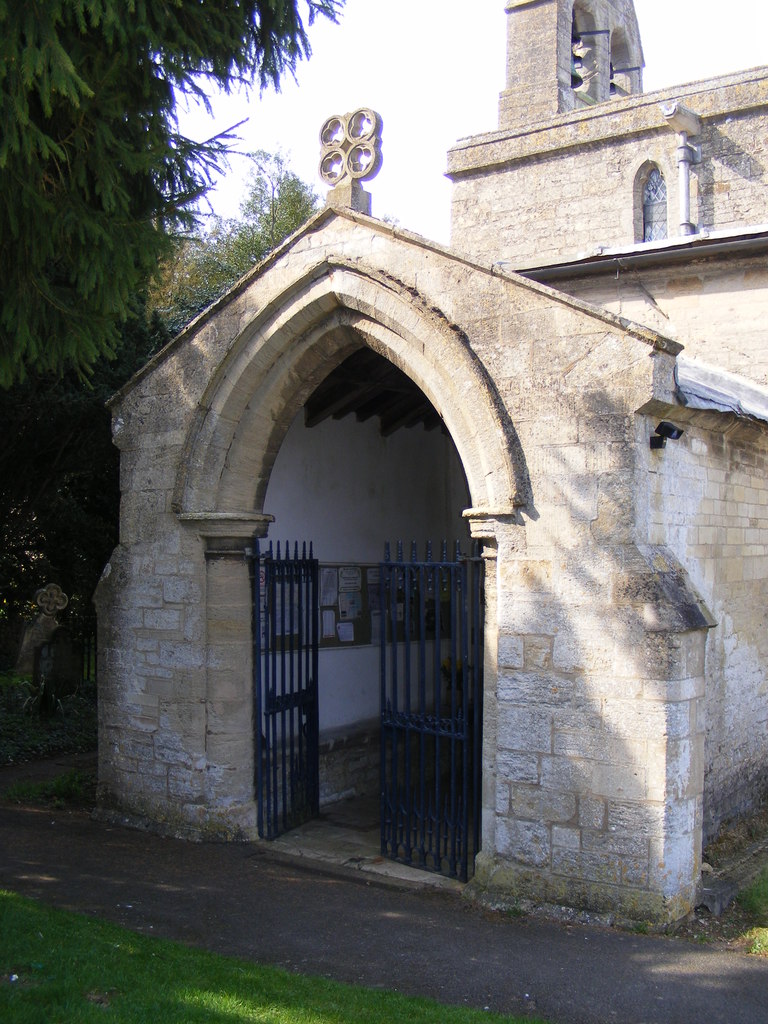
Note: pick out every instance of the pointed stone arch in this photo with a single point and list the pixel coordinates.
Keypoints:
(287, 349)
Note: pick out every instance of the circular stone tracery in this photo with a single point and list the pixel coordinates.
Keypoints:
(51, 599)
(351, 146)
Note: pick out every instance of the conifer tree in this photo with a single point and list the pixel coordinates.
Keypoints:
(59, 471)
(59, 482)
(94, 172)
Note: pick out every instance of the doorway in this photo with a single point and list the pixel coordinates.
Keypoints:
(367, 457)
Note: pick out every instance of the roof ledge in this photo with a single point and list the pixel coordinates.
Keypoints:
(701, 386)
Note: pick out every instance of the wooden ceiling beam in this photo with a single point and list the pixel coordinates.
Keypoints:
(367, 385)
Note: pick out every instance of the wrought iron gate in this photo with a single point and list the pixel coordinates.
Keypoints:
(431, 709)
(285, 662)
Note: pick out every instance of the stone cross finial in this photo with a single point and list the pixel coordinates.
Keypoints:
(51, 599)
(351, 153)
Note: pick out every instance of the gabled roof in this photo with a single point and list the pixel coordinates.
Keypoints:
(316, 224)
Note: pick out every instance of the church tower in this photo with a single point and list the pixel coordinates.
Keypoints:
(583, 161)
(563, 55)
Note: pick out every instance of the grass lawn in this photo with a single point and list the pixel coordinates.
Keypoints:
(71, 789)
(62, 968)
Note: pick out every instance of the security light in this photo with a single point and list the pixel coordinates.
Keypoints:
(664, 432)
(669, 430)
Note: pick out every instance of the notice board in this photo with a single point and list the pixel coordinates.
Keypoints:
(350, 610)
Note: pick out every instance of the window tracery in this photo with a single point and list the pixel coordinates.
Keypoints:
(655, 207)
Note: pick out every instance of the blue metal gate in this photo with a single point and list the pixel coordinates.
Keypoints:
(431, 709)
(285, 663)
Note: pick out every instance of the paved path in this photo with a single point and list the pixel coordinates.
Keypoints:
(250, 901)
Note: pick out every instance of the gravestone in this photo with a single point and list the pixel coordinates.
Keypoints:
(58, 664)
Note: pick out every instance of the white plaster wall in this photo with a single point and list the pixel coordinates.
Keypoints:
(348, 490)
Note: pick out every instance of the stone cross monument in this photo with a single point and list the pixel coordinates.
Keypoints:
(351, 153)
(50, 599)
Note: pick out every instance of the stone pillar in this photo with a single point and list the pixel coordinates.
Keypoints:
(229, 747)
(500, 532)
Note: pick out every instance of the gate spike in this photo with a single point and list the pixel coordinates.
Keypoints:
(310, 550)
(414, 552)
(444, 551)
(295, 551)
(399, 551)
(387, 552)
(458, 551)
(429, 550)
(278, 551)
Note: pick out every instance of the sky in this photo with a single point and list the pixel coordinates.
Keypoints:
(433, 69)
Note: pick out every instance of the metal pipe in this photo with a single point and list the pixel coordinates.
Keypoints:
(684, 176)
(686, 123)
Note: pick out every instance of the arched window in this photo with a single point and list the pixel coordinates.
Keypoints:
(655, 207)
(625, 71)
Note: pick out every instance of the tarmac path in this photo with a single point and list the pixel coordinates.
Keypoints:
(250, 901)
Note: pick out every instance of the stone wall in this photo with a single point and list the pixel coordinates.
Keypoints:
(707, 500)
(716, 307)
(594, 743)
(558, 189)
(174, 604)
(350, 763)
(532, 44)
(174, 614)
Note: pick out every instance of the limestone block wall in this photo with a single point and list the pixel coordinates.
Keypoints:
(708, 502)
(594, 737)
(594, 743)
(169, 607)
(717, 308)
(597, 798)
(562, 188)
(350, 763)
(175, 601)
(152, 665)
(534, 78)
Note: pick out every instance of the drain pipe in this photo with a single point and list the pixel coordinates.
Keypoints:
(686, 123)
